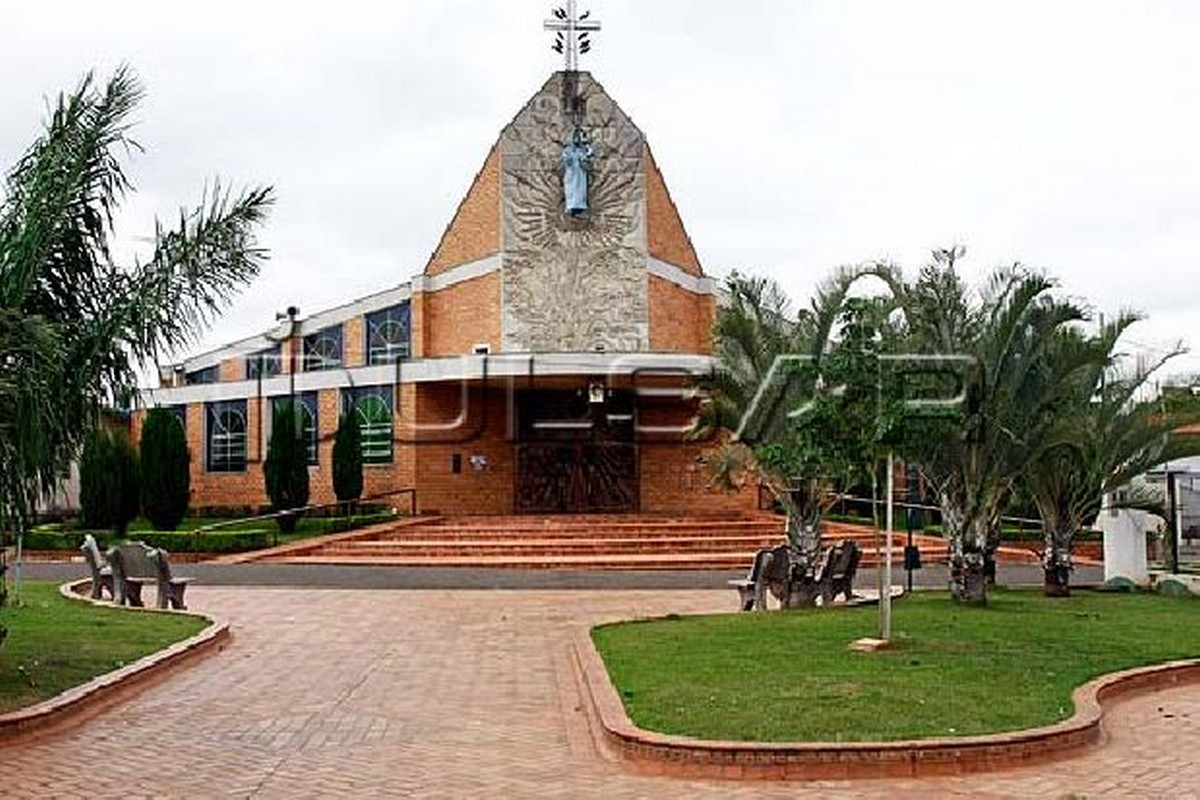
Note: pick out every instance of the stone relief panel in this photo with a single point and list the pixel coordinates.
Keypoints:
(573, 283)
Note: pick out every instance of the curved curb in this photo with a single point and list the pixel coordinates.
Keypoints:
(81, 702)
(682, 756)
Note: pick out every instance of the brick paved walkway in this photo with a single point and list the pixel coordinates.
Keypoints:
(467, 694)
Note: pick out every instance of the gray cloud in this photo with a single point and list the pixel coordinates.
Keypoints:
(794, 136)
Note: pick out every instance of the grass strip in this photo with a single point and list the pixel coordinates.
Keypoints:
(955, 671)
(54, 643)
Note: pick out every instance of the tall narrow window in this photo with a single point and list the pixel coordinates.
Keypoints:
(323, 349)
(225, 436)
(372, 407)
(265, 363)
(307, 421)
(388, 334)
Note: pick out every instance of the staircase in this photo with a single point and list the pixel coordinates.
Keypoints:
(629, 541)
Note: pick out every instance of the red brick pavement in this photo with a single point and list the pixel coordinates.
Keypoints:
(334, 693)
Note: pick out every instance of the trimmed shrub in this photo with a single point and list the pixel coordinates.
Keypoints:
(173, 541)
(347, 461)
(286, 467)
(166, 480)
(109, 492)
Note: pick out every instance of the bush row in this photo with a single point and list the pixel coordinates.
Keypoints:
(172, 541)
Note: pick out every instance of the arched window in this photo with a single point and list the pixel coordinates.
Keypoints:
(372, 408)
(323, 349)
(388, 334)
(225, 436)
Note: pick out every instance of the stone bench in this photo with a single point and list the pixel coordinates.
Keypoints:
(135, 564)
(797, 582)
(101, 573)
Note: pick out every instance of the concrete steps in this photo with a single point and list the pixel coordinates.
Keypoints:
(579, 542)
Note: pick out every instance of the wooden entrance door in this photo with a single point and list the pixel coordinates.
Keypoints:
(575, 455)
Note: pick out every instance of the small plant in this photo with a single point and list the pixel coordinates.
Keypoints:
(347, 462)
(286, 467)
(166, 481)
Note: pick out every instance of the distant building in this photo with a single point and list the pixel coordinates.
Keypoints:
(538, 364)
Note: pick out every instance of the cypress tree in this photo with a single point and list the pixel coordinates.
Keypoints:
(94, 483)
(347, 461)
(286, 467)
(166, 479)
(109, 491)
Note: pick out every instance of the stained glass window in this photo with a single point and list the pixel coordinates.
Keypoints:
(388, 334)
(225, 436)
(306, 407)
(372, 407)
(265, 363)
(323, 349)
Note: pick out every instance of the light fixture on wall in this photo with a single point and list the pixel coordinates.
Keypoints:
(596, 392)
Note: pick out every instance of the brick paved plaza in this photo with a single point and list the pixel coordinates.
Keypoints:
(340, 693)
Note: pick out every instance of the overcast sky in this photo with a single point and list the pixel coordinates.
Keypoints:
(794, 135)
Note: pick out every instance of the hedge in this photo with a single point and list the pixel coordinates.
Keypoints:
(47, 538)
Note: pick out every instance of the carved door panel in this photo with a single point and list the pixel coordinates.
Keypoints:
(576, 456)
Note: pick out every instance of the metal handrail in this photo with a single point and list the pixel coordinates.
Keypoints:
(410, 491)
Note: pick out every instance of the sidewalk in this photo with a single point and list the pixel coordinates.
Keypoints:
(466, 694)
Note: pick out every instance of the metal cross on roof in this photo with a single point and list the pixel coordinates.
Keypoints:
(571, 33)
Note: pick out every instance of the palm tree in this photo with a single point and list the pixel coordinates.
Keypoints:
(74, 325)
(1002, 338)
(795, 426)
(1104, 436)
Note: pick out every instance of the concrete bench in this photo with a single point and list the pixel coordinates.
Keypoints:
(101, 573)
(134, 564)
(796, 581)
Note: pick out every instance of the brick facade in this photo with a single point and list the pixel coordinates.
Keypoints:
(667, 239)
(474, 233)
(453, 310)
(454, 319)
(680, 321)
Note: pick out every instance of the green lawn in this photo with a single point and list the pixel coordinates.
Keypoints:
(789, 676)
(54, 643)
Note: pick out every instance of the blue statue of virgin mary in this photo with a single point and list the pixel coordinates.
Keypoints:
(575, 159)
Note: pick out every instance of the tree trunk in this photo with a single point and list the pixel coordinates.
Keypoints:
(1056, 560)
(1058, 582)
(968, 582)
(967, 537)
(803, 508)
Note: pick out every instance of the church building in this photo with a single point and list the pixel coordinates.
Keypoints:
(542, 362)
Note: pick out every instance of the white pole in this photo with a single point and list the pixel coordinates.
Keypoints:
(885, 599)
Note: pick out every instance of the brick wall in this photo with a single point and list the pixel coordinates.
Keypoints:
(680, 321)
(482, 432)
(354, 342)
(673, 479)
(453, 319)
(232, 369)
(474, 233)
(666, 237)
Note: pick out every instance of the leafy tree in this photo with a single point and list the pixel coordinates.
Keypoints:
(108, 475)
(801, 407)
(75, 325)
(1104, 436)
(166, 478)
(286, 466)
(347, 461)
(1014, 381)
